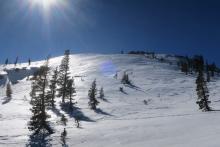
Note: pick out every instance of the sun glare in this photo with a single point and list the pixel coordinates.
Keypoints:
(47, 7)
(45, 4)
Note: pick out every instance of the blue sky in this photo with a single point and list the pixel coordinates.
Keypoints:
(184, 27)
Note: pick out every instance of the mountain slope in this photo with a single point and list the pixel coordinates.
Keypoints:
(170, 118)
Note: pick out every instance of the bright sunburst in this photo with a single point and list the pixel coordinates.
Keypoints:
(45, 4)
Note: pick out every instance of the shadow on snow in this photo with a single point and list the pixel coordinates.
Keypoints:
(39, 140)
(75, 112)
(6, 100)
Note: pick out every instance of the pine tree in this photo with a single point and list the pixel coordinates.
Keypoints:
(125, 79)
(202, 92)
(39, 102)
(29, 61)
(16, 61)
(77, 121)
(207, 72)
(6, 62)
(93, 102)
(70, 90)
(52, 88)
(198, 63)
(101, 93)
(63, 76)
(213, 69)
(8, 90)
(184, 68)
(63, 119)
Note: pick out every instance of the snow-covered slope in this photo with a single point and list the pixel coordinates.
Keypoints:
(170, 119)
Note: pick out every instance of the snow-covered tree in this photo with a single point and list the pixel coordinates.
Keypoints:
(52, 88)
(213, 69)
(39, 102)
(6, 62)
(8, 90)
(63, 76)
(16, 61)
(70, 90)
(29, 61)
(63, 120)
(125, 79)
(207, 72)
(184, 68)
(202, 93)
(101, 93)
(93, 102)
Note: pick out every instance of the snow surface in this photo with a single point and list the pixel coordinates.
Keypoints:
(169, 119)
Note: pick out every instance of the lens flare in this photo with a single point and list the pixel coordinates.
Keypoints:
(45, 4)
(108, 68)
(47, 8)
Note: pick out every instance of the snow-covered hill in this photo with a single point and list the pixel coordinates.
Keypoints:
(169, 119)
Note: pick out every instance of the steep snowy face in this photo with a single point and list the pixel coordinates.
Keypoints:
(158, 108)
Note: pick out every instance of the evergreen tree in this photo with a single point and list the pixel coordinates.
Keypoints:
(63, 119)
(207, 72)
(8, 90)
(52, 88)
(38, 123)
(16, 61)
(213, 69)
(93, 102)
(198, 63)
(202, 92)
(184, 68)
(29, 61)
(6, 62)
(101, 93)
(70, 90)
(63, 76)
(77, 122)
(125, 79)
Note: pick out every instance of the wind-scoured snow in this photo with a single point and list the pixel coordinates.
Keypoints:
(169, 118)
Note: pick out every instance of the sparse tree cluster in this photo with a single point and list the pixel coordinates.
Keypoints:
(40, 102)
(190, 65)
(44, 91)
(149, 54)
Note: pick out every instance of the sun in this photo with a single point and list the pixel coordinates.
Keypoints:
(44, 4)
(47, 7)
